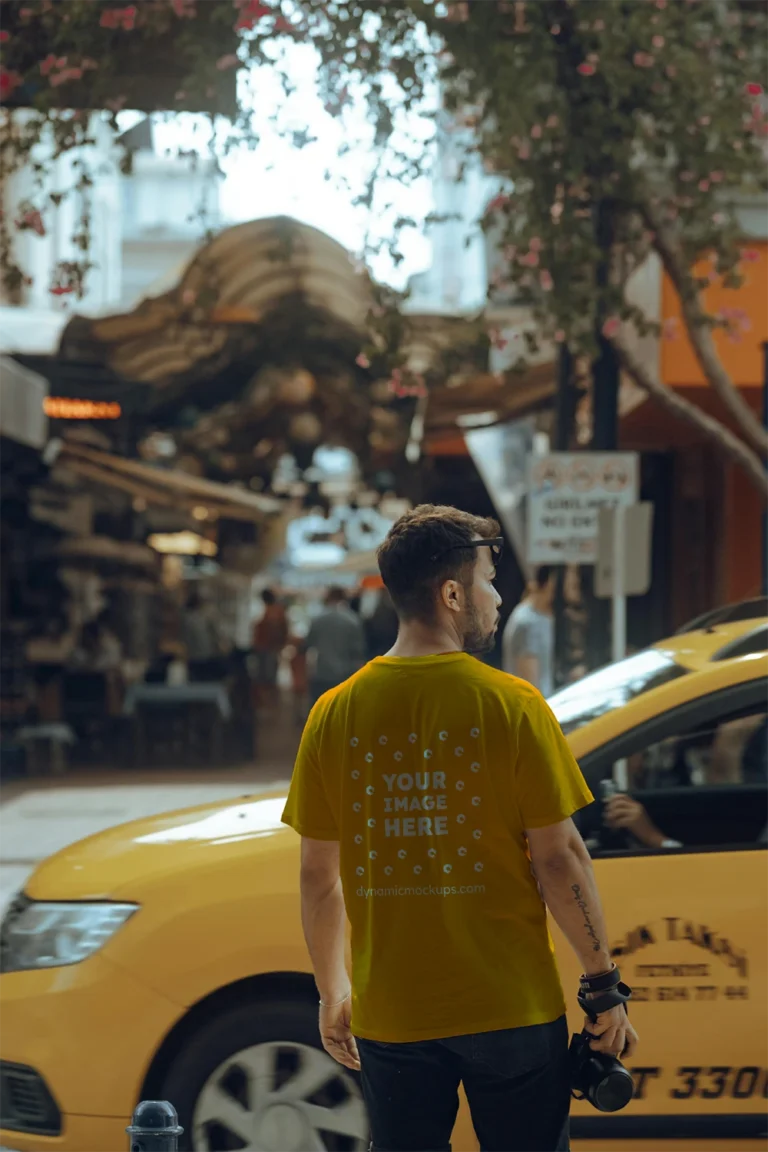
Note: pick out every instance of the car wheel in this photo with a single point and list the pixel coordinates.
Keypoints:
(257, 1078)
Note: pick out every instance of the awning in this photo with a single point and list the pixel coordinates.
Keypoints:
(164, 487)
(238, 278)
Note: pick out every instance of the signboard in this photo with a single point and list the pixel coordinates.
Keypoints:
(635, 564)
(566, 491)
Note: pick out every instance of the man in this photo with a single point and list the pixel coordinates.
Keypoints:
(336, 643)
(270, 636)
(201, 638)
(528, 644)
(428, 790)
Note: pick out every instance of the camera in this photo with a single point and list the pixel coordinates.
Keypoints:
(601, 1079)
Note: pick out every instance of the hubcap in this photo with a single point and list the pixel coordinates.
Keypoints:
(280, 1097)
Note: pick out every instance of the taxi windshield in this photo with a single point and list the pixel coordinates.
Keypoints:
(612, 687)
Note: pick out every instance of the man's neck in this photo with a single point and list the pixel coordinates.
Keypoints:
(417, 639)
(539, 604)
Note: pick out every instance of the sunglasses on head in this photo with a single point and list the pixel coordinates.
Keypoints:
(495, 543)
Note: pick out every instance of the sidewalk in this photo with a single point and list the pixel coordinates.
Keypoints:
(41, 815)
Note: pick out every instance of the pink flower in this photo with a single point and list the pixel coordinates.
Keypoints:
(753, 89)
(537, 132)
(250, 14)
(184, 8)
(31, 221)
(553, 121)
(555, 29)
(705, 121)
(9, 82)
(586, 69)
(560, 336)
(4, 37)
(703, 185)
(658, 41)
(228, 61)
(188, 297)
(716, 177)
(598, 25)
(61, 289)
(750, 255)
(283, 25)
(719, 218)
(611, 327)
(124, 18)
(661, 4)
(523, 152)
(535, 244)
(362, 361)
(530, 260)
(47, 64)
(643, 60)
(669, 329)
(498, 203)
(546, 281)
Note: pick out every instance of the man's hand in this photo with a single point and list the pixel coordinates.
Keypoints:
(624, 812)
(336, 1036)
(613, 1033)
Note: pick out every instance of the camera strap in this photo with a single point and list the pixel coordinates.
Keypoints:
(611, 998)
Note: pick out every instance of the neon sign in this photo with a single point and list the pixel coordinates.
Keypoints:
(62, 408)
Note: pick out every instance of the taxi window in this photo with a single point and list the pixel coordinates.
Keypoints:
(612, 687)
(731, 751)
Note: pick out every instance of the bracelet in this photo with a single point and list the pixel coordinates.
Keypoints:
(337, 1003)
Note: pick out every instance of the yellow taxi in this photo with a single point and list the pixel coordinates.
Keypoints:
(164, 959)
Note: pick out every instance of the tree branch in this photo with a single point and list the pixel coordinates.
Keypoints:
(700, 334)
(726, 440)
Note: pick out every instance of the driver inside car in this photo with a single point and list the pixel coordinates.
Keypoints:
(735, 755)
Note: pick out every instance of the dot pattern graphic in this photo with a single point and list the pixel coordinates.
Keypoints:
(407, 789)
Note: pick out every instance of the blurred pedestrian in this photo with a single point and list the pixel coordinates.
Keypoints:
(270, 637)
(201, 640)
(434, 797)
(336, 644)
(528, 643)
(381, 626)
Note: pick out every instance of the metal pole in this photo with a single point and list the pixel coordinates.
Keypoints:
(619, 600)
(765, 425)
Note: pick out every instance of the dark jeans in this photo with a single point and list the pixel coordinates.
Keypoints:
(516, 1081)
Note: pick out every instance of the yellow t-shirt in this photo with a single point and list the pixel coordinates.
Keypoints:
(427, 770)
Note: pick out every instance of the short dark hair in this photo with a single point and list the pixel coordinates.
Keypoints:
(335, 595)
(407, 563)
(268, 596)
(542, 576)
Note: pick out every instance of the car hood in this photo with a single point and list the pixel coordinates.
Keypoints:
(125, 859)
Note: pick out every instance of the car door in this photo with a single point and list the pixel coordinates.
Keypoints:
(689, 926)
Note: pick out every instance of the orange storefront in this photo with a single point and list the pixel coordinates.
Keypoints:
(715, 541)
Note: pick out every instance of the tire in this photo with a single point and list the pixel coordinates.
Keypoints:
(256, 1078)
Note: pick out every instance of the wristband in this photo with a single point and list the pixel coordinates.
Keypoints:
(601, 983)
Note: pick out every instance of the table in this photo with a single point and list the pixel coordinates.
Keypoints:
(143, 699)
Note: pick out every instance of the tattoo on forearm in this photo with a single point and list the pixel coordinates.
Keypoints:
(588, 926)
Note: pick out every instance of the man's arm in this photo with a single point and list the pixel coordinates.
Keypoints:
(564, 872)
(323, 918)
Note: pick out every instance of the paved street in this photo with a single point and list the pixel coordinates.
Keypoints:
(42, 815)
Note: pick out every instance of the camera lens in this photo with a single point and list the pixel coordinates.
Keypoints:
(614, 1091)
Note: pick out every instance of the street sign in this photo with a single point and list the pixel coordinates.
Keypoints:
(566, 491)
(635, 571)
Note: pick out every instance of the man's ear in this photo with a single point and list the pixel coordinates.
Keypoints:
(451, 594)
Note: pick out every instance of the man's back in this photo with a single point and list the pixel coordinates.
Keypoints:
(338, 639)
(427, 770)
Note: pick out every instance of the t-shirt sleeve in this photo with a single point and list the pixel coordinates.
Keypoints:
(307, 810)
(524, 641)
(550, 784)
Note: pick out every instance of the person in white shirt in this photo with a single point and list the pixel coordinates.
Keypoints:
(528, 644)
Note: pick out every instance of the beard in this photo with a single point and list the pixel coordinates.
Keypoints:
(476, 639)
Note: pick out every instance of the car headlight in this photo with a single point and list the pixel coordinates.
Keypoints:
(38, 934)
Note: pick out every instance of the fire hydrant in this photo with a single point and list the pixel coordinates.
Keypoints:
(155, 1127)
